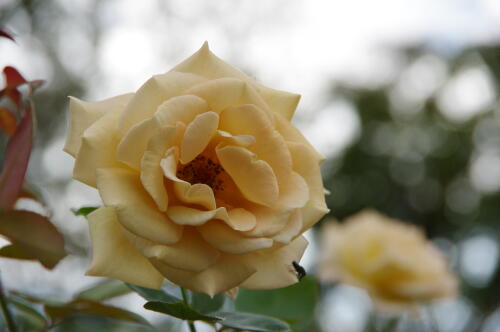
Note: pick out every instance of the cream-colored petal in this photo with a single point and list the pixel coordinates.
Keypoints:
(97, 149)
(305, 163)
(169, 164)
(154, 92)
(197, 135)
(281, 102)
(198, 193)
(136, 211)
(294, 193)
(152, 179)
(166, 137)
(269, 146)
(144, 134)
(292, 229)
(254, 178)
(242, 140)
(113, 256)
(84, 114)
(182, 108)
(207, 64)
(274, 267)
(269, 221)
(183, 215)
(292, 134)
(228, 272)
(241, 220)
(224, 92)
(179, 109)
(230, 241)
(191, 253)
(151, 172)
(134, 143)
(238, 219)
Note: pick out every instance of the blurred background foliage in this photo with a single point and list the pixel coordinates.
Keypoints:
(420, 158)
(424, 147)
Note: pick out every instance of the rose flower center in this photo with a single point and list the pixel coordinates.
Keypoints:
(202, 170)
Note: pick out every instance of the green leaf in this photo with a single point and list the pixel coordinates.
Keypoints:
(104, 290)
(179, 310)
(295, 304)
(84, 211)
(28, 311)
(91, 308)
(154, 294)
(31, 235)
(206, 304)
(252, 322)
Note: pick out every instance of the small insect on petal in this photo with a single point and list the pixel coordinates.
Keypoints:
(301, 272)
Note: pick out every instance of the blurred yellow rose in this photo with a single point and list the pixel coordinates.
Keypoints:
(204, 180)
(392, 260)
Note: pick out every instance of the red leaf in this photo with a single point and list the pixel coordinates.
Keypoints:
(7, 121)
(16, 161)
(13, 78)
(4, 34)
(32, 236)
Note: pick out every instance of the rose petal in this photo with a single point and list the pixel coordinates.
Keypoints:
(136, 211)
(191, 253)
(270, 221)
(114, 256)
(180, 109)
(193, 194)
(83, 114)
(197, 135)
(269, 145)
(224, 92)
(154, 92)
(183, 215)
(207, 64)
(230, 241)
(274, 267)
(228, 138)
(134, 143)
(97, 148)
(151, 172)
(294, 193)
(152, 179)
(305, 163)
(197, 193)
(177, 109)
(292, 134)
(238, 219)
(254, 178)
(228, 272)
(292, 229)
(281, 102)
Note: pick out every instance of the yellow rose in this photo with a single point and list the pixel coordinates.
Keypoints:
(204, 180)
(392, 260)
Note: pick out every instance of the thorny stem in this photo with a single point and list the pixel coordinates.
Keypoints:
(9, 320)
(192, 328)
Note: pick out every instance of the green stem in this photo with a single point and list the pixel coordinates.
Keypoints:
(9, 320)
(192, 328)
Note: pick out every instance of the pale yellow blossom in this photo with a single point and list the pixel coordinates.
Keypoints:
(390, 259)
(204, 180)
